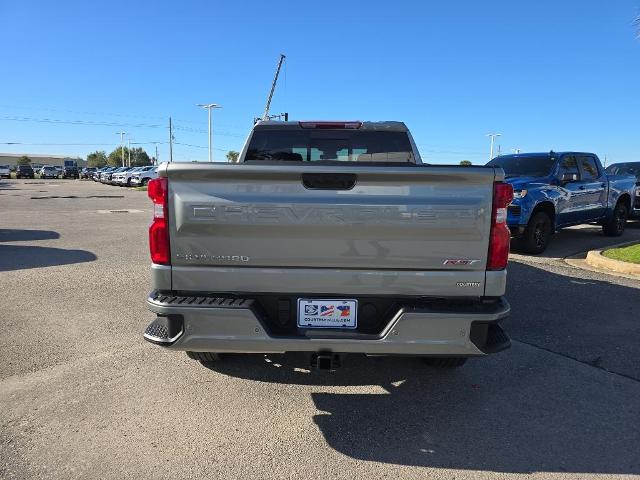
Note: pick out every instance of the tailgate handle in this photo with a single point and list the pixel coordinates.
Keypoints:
(329, 181)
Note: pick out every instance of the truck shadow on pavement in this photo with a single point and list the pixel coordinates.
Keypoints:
(533, 408)
(515, 412)
(21, 257)
(13, 235)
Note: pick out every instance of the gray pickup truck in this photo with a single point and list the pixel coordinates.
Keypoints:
(329, 238)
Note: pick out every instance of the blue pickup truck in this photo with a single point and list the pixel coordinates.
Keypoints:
(556, 190)
(629, 168)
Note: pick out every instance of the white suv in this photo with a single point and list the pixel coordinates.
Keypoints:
(125, 177)
(142, 177)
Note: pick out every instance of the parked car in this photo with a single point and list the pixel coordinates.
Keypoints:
(629, 168)
(58, 169)
(124, 178)
(70, 171)
(329, 238)
(96, 175)
(87, 172)
(142, 178)
(106, 173)
(5, 172)
(48, 172)
(127, 177)
(556, 190)
(25, 171)
(119, 176)
(110, 178)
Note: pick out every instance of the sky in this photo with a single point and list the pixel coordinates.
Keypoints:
(561, 75)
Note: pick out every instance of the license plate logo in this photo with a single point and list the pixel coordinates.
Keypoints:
(329, 313)
(310, 309)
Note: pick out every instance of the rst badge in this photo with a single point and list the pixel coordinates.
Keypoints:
(459, 261)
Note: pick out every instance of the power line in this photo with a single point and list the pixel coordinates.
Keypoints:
(108, 124)
(200, 146)
(57, 144)
(107, 114)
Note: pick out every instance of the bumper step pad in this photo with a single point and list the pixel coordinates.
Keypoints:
(164, 330)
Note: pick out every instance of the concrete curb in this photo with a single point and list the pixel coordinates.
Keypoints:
(596, 259)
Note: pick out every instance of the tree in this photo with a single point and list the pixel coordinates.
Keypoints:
(24, 160)
(465, 163)
(115, 158)
(139, 158)
(232, 156)
(97, 159)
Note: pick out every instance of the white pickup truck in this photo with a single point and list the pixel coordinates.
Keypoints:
(329, 238)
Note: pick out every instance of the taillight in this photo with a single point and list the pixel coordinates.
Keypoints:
(325, 124)
(158, 192)
(500, 235)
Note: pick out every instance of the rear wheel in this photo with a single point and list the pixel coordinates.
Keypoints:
(205, 357)
(536, 236)
(614, 227)
(445, 362)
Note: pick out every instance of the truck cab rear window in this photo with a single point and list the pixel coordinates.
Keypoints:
(331, 145)
(519, 166)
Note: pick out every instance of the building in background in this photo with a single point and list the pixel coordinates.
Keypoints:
(39, 159)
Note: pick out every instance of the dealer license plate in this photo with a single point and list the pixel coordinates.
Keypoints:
(327, 313)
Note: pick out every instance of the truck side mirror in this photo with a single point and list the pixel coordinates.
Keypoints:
(569, 177)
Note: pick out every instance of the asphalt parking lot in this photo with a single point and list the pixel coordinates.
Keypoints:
(82, 395)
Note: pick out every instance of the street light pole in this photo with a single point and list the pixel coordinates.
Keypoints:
(129, 151)
(209, 107)
(493, 136)
(122, 134)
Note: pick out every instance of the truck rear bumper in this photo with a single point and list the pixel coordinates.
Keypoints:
(209, 324)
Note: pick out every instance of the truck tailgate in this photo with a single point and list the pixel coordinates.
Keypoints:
(395, 218)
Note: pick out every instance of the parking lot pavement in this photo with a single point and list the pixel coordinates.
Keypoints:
(83, 396)
(579, 239)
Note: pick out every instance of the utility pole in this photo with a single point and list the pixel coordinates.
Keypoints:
(156, 153)
(129, 151)
(493, 136)
(170, 141)
(209, 107)
(122, 134)
(265, 116)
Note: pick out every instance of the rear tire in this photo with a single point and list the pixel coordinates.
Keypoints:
(445, 362)
(536, 236)
(614, 227)
(204, 357)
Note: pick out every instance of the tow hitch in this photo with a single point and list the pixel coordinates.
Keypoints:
(325, 361)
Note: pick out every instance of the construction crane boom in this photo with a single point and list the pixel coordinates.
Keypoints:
(273, 88)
